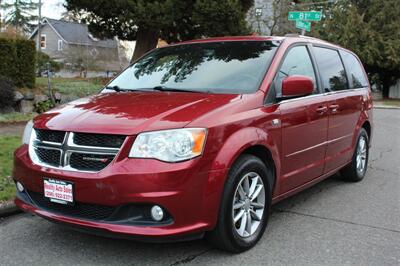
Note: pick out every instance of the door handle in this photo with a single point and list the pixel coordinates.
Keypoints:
(321, 110)
(334, 108)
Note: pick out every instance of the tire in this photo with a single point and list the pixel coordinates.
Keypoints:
(234, 237)
(355, 171)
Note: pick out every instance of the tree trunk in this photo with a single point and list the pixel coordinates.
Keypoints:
(385, 90)
(145, 41)
(386, 82)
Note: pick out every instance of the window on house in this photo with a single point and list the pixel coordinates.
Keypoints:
(60, 45)
(43, 41)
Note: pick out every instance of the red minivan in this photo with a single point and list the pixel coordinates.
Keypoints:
(199, 138)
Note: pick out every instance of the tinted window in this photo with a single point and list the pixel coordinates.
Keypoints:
(355, 70)
(296, 62)
(220, 67)
(331, 69)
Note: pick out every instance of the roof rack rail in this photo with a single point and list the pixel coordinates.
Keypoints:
(292, 35)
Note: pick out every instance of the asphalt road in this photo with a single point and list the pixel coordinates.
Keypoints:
(332, 223)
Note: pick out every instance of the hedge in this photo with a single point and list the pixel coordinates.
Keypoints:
(18, 60)
(26, 62)
(8, 54)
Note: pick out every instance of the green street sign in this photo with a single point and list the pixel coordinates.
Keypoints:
(305, 15)
(304, 25)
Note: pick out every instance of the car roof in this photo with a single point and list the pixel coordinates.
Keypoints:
(293, 38)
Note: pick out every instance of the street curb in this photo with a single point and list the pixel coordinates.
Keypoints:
(386, 107)
(8, 208)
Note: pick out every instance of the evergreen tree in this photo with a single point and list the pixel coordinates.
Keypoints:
(371, 29)
(172, 20)
(19, 14)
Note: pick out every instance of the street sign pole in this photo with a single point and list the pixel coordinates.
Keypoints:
(303, 19)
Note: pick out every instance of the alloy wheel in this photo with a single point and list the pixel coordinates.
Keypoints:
(361, 157)
(248, 205)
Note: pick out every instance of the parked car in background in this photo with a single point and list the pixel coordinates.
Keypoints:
(199, 137)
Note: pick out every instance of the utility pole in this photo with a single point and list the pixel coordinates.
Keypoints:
(1, 22)
(39, 24)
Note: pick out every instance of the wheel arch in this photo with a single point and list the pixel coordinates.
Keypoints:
(265, 155)
(250, 140)
(364, 121)
(367, 126)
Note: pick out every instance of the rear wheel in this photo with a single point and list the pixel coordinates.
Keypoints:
(356, 170)
(245, 206)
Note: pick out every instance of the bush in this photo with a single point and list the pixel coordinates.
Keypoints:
(25, 61)
(7, 93)
(44, 106)
(43, 59)
(17, 61)
(8, 54)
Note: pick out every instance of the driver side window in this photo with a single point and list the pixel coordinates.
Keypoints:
(296, 62)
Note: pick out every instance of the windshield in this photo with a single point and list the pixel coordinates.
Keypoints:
(236, 67)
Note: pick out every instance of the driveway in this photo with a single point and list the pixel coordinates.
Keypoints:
(16, 128)
(332, 223)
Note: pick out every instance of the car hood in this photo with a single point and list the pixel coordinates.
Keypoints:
(129, 113)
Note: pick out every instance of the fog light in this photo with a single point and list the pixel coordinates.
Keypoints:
(20, 187)
(157, 213)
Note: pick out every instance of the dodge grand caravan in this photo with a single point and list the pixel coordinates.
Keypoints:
(199, 138)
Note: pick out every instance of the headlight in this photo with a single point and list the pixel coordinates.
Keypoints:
(27, 132)
(170, 145)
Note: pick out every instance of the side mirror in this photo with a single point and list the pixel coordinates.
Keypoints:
(297, 85)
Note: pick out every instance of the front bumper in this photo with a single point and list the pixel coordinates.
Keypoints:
(188, 191)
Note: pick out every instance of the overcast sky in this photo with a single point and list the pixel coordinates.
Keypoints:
(50, 8)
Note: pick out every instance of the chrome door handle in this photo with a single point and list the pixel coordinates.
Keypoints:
(321, 110)
(334, 108)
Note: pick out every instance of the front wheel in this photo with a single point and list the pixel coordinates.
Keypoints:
(356, 170)
(245, 206)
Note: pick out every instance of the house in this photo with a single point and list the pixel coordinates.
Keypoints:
(394, 91)
(269, 17)
(73, 44)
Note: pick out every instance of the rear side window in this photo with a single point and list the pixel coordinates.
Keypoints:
(296, 62)
(355, 71)
(331, 69)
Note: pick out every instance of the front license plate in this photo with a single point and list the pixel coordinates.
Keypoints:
(58, 191)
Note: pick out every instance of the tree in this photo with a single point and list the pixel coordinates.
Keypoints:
(271, 18)
(371, 29)
(73, 16)
(172, 20)
(19, 14)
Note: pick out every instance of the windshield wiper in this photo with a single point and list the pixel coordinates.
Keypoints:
(164, 88)
(118, 89)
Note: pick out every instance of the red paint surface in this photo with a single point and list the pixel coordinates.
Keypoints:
(297, 86)
(312, 140)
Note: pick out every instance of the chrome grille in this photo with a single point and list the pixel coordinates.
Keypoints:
(50, 156)
(99, 140)
(50, 135)
(58, 149)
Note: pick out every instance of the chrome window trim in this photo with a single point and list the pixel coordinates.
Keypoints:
(66, 148)
(321, 94)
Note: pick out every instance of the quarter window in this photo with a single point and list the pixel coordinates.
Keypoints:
(355, 71)
(331, 69)
(296, 62)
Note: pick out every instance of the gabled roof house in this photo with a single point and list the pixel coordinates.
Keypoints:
(63, 39)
